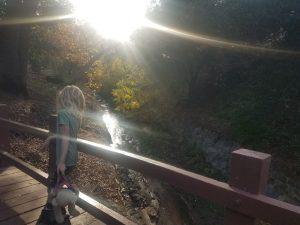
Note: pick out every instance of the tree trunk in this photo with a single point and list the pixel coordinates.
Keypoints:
(14, 48)
(14, 57)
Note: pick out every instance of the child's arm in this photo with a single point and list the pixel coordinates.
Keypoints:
(61, 167)
(47, 141)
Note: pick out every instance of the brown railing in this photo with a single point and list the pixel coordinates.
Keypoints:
(243, 196)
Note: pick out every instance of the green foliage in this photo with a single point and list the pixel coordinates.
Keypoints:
(264, 114)
(3, 7)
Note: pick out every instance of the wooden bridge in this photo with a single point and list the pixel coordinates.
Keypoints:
(23, 194)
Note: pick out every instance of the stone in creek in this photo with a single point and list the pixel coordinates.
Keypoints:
(155, 204)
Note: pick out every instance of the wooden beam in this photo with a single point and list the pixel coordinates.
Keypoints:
(102, 212)
(252, 205)
(52, 148)
(90, 205)
(25, 167)
(249, 172)
(258, 206)
(16, 126)
(4, 132)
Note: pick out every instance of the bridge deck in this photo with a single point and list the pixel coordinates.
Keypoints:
(22, 199)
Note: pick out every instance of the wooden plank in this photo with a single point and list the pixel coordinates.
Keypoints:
(8, 170)
(249, 172)
(87, 203)
(23, 199)
(4, 132)
(52, 147)
(102, 212)
(20, 192)
(11, 175)
(19, 185)
(26, 168)
(97, 222)
(14, 179)
(20, 209)
(18, 174)
(24, 218)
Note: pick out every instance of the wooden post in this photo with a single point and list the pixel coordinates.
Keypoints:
(249, 172)
(52, 147)
(4, 132)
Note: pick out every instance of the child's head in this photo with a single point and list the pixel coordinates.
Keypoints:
(71, 98)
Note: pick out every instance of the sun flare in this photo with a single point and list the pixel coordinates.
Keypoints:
(112, 19)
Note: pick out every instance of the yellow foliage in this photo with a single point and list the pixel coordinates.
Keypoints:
(129, 92)
(95, 76)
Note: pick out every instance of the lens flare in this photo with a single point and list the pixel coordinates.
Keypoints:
(113, 19)
(216, 42)
(118, 19)
(34, 20)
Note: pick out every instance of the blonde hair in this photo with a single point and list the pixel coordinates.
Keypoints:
(72, 99)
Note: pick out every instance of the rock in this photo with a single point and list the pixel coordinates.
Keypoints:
(145, 217)
(54, 79)
(151, 211)
(137, 149)
(155, 204)
(216, 148)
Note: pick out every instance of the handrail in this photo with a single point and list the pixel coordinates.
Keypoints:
(16, 126)
(92, 206)
(253, 205)
(259, 206)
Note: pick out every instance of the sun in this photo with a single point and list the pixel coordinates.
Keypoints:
(112, 19)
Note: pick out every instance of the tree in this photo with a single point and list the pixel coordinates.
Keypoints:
(201, 66)
(14, 42)
(14, 47)
(130, 92)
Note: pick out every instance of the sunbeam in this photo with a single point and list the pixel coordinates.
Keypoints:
(198, 38)
(215, 42)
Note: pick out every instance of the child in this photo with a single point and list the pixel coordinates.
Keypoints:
(70, 107)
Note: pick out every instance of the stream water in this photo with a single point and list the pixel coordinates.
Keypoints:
(133, 183)
(145, 193)
(113, 127)
(118, 130)
(217, 151)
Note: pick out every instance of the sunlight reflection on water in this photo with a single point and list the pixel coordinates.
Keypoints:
(113, 128)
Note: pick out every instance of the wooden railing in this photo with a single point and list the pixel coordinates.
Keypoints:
(243, 196)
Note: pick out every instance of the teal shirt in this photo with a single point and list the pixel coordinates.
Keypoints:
(66, 118)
